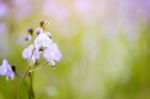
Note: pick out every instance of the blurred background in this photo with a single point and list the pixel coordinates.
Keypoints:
(105, 46)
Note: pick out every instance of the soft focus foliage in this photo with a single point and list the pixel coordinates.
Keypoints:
(105, 46)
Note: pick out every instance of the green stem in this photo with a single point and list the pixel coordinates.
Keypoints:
(38, 68)
(31, 91)
(27, 71)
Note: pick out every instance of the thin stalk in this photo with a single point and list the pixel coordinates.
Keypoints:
(38, 68)
(31, 91)
(27, 71)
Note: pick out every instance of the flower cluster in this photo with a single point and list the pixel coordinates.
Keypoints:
(42, 45)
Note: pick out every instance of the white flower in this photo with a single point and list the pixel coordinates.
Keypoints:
(31, 51)
(42, 44)
(42, 41)
(52, 54)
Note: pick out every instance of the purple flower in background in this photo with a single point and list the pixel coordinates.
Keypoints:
(3, 10)
(21, 12)
(42, 41)
(52, 54)
(28, 52)
(3, 36)
(59, 11)
(5, 69)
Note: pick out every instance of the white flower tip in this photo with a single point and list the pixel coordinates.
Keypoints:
(46, 22)
(51, 62)
(5, 61)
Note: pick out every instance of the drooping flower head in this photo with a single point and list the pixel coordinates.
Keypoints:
(29, 34)
(6, 70)
(28, 37)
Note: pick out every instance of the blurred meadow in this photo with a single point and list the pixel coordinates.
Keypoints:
(105, 46)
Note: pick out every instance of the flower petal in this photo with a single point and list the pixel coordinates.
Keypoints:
(52, 54)
(42, 40)
(6, 69)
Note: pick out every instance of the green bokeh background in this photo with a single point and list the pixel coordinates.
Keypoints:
(96, 64)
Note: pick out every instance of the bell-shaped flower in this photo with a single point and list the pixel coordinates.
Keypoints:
(28, 37)
(38, 30)
(52, 54)
(31, 54)
(42, 41)
(6, 70)
(29, 34)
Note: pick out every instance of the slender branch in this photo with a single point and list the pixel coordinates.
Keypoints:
(39, 67)
(29, 66)
(27, 71)
(31, 91)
